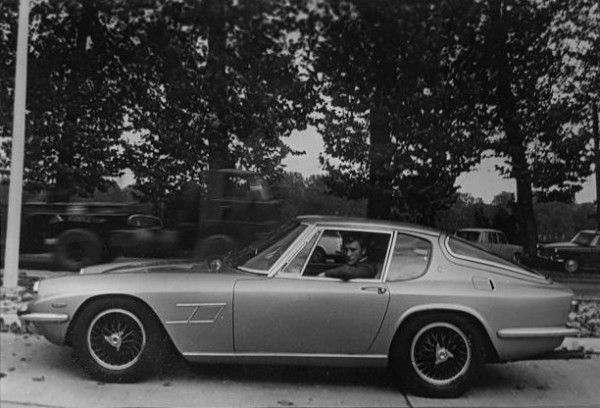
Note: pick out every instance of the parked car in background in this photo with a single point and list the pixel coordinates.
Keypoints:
(436, 310)
(492, 240)
(581, 252)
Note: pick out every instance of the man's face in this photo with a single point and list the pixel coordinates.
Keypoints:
(353, 252)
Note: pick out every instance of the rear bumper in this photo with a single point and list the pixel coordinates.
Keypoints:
(536, 332)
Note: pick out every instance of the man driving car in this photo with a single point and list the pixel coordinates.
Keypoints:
(356, 261)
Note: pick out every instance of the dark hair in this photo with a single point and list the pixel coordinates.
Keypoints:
(355, 236)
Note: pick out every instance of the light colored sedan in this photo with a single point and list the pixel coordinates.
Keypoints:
(436, 309)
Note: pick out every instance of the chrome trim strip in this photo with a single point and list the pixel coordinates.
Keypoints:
(44, 317)
(536, 332)
(292, 355)
(197, 307)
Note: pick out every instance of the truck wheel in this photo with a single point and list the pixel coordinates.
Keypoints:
(77, 248)
(214, 246)
(438, 356)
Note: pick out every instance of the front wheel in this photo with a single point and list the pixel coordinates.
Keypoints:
(438, 356)
(77, 248)
(118, 340)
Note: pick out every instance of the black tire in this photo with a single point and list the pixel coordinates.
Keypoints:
(214, 246)
(438, 355)
(77, 248)
(572, 265)
(119, 340)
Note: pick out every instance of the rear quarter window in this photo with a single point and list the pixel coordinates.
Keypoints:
(460, 248)
(410, 258)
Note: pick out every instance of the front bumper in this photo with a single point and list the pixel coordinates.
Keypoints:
(53, 326)
(26, 316)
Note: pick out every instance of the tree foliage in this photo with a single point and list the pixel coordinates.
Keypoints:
(395, 110)
(75, 96)
(104, 68)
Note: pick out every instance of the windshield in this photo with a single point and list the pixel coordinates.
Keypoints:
(583, 238)
(262, 254)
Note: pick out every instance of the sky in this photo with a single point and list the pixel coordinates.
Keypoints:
(483, 182)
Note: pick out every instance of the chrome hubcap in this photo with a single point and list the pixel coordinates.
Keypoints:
(441, 354)
(114, 340)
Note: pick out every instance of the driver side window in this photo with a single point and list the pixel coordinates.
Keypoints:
(298, 262)
(344, 254)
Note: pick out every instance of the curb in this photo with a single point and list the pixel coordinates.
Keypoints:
(587, 343)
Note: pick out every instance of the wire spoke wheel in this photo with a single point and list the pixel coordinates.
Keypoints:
(116, 339)
(440, 353)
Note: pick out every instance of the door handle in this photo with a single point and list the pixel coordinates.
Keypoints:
(380, 290)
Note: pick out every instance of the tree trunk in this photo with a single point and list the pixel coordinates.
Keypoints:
(218, 138)
(380, 180)
(515, 140)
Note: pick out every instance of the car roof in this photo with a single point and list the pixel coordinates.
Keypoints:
(358, 222)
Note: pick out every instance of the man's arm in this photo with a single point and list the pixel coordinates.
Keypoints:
(346, 272)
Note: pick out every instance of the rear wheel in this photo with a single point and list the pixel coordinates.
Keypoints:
(119, 340)
(438, 355)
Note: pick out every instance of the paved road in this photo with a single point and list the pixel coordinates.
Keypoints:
(36, 373)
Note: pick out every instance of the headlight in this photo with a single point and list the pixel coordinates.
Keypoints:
(36, 286)
(82, 271)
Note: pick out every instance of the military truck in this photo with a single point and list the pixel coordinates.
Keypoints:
(237, 209)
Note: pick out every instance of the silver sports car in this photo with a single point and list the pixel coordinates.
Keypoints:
(430, 306)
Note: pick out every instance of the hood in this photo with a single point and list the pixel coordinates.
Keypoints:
(147, 266)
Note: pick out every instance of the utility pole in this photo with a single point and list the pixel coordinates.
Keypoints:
(597, 157)
(15, 192)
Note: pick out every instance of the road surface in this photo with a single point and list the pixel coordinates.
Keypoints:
(36, 373)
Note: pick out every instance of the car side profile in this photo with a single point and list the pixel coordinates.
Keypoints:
(580, 253)
(434, 311)
(494, 241)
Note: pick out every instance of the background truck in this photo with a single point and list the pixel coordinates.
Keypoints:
(237, 208)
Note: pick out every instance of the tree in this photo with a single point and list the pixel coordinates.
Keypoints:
(229, 74)
(75, 99)
(168, 89)
(395, 110)
(530, 128)
(301, 196)
(573, 36)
